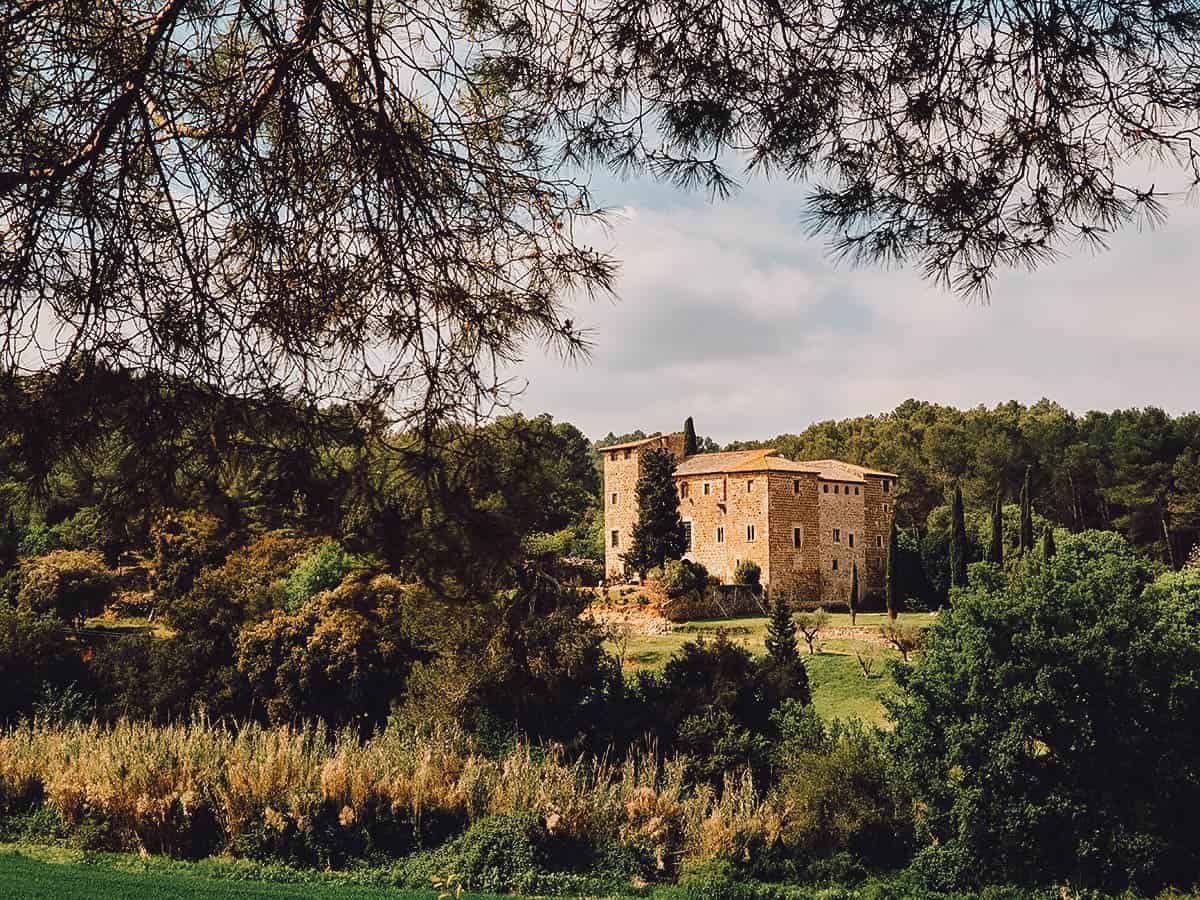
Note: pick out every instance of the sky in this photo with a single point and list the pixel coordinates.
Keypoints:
(727, 311)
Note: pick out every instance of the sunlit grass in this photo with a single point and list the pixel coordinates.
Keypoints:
(839, 688)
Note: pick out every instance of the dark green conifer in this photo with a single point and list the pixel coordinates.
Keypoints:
(853, 604)
(781, 631)
(690, 446)
(996, 550)
(893, 599)
(1048, 548)
(958, 541)
(1026, 512)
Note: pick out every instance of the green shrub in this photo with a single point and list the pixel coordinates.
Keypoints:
(88, 529)
(498, 854)
(715, 880)
(681, 577)
(837, 788)
(323, 570)
(748, 573)
(1039, 712)
(34, 659)
(71, 584)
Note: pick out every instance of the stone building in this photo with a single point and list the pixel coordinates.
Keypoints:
(804, 523)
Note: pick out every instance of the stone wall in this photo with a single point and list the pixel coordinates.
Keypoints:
(841, 510)
(732, 506)
(794, 504)
(878, 511)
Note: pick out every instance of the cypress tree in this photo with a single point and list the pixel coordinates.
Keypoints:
(690, 446)
(658, 534)
(853, 604)
(893, 605)
(958, 541)
(781, 632)
(1048, 548)
(1026, 513)
(996, 550)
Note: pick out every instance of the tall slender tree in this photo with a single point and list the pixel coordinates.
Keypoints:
(781, 632)
(658, 534)
(690, 445)
(890, 587)
(996, 550)
(853, 603)
(958, 541)
(1026, 539)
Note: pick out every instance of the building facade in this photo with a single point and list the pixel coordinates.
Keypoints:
(806, 524)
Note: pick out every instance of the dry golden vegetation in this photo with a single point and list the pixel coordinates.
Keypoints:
(152, 785)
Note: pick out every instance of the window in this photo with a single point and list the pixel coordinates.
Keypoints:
(614, 455)
(796, 538)
(683, 489)
(720, 534)
(856, 490)
(795, 485)
(825, 488)
(616, 538)
(707, 488)
(886, 485)
(837, 535)
(885, 509)
(879, 540)
(835, 488)
(851, 536)
(835, 565)
(749, 485)
(614, 501)
(749, 532)
(628, 453)
(687, 534)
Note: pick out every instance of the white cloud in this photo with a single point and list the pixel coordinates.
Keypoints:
(730, 314)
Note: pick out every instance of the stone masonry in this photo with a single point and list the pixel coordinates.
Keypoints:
(806, 524)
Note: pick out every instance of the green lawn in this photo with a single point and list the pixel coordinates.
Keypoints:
(839, 688)
(34, 872)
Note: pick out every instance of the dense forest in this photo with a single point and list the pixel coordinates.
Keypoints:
(226, 580)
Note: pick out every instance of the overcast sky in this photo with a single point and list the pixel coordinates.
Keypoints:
(729, 313)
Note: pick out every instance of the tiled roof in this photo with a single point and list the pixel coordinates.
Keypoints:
(836, 470)
(732, 461)
(631, 444)
(769, 460)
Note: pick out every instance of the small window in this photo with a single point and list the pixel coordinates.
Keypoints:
(614, 455)
(835, 565)
(749, 485)
(851, 536)
(683, 489)
(825, 488)
(886, 485)
(795, 485)
(616, 538)
(614, 500)
(707, 488)
(720, 534)
(835, 488)
(796, 538)
(749, 532)
(856, 490)
(687, 534)
(837, 535)
(628, 453)
(885, 509)
(879, 540)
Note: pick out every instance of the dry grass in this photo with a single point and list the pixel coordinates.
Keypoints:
(150, 784)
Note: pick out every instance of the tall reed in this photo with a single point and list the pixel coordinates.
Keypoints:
(156, 788)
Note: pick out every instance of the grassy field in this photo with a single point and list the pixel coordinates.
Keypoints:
(839, 688)
(62, 874)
